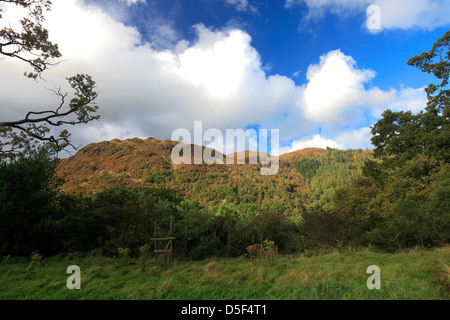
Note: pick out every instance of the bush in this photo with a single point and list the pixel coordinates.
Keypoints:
(30, 217)
(263, 251)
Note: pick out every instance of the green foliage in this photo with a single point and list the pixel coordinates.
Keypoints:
(28, 205)
(324, 229)
(263, 251)
(158, 177)
(123, 254)
(337, 168)
(437, 62)
(127, 215)
(32, 38)
(35, 261)
(144, 256)
(308, 167)
(403, 200)
(399, 136)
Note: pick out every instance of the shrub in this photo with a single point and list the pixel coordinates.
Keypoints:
(35, 260)
(263, 251)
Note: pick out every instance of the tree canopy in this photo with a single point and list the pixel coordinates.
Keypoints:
(30, 42)
(403, 198)
(399, 136)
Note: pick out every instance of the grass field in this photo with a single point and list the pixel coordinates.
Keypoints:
(416, 274)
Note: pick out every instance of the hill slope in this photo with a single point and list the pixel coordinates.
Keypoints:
(102, 164)
(135, 161)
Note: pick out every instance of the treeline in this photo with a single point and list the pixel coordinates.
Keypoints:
(36, 216)
(373, 210)
(213, 186)
(384, 199)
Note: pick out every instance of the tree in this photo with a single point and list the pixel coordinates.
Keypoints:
(437, 117)
(399, 136)
(437, 62)
(30, 43)
(403, 199)
(32, 40)
(28, 203)
(403, 195)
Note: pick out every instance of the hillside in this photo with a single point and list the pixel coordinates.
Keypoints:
(117, 161)
(135, 161)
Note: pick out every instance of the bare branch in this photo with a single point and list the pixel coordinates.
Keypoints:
(82, 105)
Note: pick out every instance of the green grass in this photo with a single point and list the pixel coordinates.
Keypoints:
(408, 275)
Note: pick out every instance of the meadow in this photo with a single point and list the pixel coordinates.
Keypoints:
(416, 274)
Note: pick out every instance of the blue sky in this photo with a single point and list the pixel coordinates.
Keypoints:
(311, 69)
(285, 43)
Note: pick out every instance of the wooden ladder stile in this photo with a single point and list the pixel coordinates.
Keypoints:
(167, 252)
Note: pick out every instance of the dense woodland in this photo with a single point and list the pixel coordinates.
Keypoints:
(345, 199)
(226, 211)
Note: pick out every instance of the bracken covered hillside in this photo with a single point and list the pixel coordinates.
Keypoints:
(135, 161)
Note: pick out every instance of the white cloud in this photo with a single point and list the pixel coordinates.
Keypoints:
(336, 92)
(296, 73)
(398, 14)
(318, 7)
(411, 14)
(221, 62)
(334, 86)
(355, 139)
(406, 99)
(351, 139)
(219, 78)
(316, 141)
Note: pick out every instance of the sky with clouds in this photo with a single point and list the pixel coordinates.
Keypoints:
(310, 68)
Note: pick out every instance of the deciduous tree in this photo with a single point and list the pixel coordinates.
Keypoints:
(28, 41)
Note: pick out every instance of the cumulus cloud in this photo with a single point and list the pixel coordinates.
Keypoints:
(336, 92)
(398, 14)
(407, 99)
(355, 139)
(219, 79)
(334, 85)
(351, 139)
(315, 141)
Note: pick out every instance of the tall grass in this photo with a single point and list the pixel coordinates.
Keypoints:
(417, 274)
